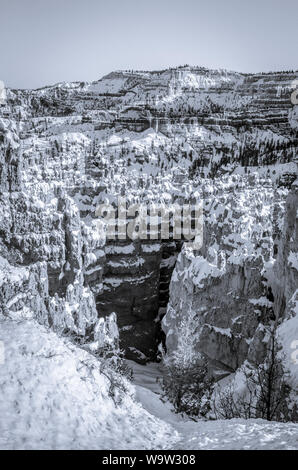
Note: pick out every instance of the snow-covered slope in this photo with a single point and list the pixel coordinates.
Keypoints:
(238, 434)
(54, 396)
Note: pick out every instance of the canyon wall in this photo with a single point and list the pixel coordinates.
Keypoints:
(163, 137)
(228, 289)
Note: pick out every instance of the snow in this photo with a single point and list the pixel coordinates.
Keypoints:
(123, 263)
(293, 260)
(240, 434)
(261, 301)
(53, 396)
(201, 269)
(106, 85)
(208, 435)
(116, 282)
(222, 331)
(288, 338)
(14, 274)
(151, 248)
(117, 250)
(168, 262)
(52, 393)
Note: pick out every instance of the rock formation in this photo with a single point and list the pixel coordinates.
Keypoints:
(165, 137)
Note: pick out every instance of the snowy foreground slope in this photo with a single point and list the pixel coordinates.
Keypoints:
(239, 434)
(53, 397)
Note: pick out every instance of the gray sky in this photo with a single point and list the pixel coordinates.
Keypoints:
(47, 41)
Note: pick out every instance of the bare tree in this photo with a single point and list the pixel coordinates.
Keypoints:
(267, 391)
(186, 381)
(188, 388)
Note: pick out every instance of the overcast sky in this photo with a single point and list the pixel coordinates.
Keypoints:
(47, 41)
